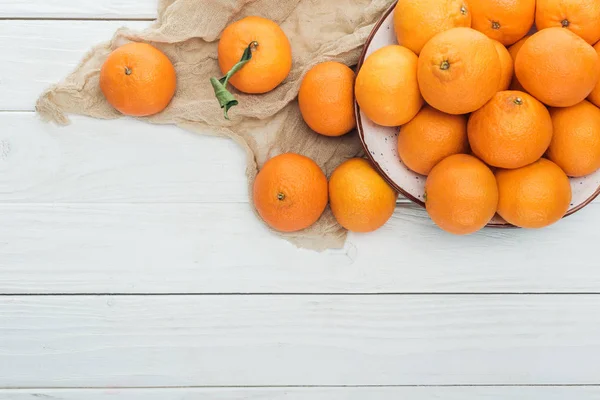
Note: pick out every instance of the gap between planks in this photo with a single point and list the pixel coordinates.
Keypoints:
(75, 19)
(556, 392)
(295, 294)
(125, 388)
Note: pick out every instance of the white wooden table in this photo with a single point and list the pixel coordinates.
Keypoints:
(129, 271)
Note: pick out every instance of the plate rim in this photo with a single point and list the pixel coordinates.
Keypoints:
(381, 171)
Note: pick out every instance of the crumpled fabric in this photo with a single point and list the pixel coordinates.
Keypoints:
(187, 31)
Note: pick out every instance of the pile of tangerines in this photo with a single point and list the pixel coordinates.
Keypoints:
(506, 119)
(493, 114)
(498, 98)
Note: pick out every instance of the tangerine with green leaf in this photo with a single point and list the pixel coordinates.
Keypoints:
(271, 60)
(255, 56)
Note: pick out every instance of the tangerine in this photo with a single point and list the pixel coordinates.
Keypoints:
(386, 87)
(575, 144)
(578, 16)
(459, 71)
(430, 137)
(506, 21)
(326, 99)
(557, 67)
(533, 196)
(594, 97)
(290, 192)
(461, 195)
(512, 130)
(271, 60)
(361, 200)
(506, 65)
(417, 21)
(138, 79)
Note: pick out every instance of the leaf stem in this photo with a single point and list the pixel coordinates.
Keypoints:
(225, 98)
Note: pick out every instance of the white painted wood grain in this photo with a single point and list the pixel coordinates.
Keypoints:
(115, 161)
(46, 171)
(148, 248)
(162, 341)
(354, 393)
(78, 9)
(37, 54)
(223, 248)
(79, 214)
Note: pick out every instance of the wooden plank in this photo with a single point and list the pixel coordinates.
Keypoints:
(322, 393)
(146, 248)
(223, 248)
(129, 9)
(37, 54)
(115, 161)
(165, 341)
(96, 162)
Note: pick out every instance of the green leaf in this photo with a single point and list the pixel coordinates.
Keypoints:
(225, 98)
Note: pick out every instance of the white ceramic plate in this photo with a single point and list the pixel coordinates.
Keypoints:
(380, 142)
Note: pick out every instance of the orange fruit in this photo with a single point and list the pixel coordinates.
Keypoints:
(512, 130)
(515, 48)
(290, 192)
(138, 79)
(360, 199)
(513, 51)
(575, 145)
(557, 67)
(417, 21)
(326, 99)
(506, 21)
(581, 17)
(506, 66)
(430, 137)
(271, 58)
(459, 70)
(386, 87)
(594, 97)
(533, 196)
(461, 194)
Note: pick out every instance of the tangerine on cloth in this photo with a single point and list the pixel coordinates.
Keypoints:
(187, 31)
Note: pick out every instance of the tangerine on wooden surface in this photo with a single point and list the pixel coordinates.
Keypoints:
(138, 79)
(512, 130)
(326, 99)
(430, 137)
(271, 57)
(581, 17)
(459, 70)
(575, 145)
(506, 21)
(506, 66)
(417, 21)
(290, 192)
(533, 196)
(513, 51)
(361, 200)
(557, 67)
(461, 195)
(594, 97)
(386, 87)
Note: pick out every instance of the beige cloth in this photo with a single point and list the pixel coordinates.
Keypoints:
(187, 31)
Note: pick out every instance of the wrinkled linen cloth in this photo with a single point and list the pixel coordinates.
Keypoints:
(187, 31)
